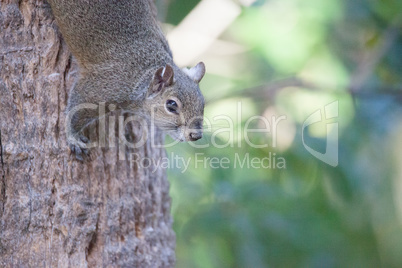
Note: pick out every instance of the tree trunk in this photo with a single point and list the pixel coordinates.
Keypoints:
(56, 211)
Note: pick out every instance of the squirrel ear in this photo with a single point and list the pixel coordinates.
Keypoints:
(167, 75)
(163, 77)
(196, 73)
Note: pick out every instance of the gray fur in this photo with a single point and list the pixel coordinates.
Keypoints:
(119, 47)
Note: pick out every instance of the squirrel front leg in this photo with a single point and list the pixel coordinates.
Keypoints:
(81, 113)
(90, 100)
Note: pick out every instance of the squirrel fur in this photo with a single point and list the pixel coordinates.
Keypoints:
(124, 59)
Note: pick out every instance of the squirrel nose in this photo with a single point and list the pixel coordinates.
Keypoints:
(195, 136)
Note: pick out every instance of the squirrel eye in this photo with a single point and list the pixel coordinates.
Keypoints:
(171, 106)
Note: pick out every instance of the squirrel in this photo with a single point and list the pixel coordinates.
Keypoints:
(124, 59)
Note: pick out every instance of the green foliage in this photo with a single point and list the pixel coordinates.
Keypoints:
(308, 214)
(178, 9)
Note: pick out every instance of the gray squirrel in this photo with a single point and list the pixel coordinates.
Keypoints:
(125, 60)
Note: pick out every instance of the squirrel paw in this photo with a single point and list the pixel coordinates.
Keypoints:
(79, 148)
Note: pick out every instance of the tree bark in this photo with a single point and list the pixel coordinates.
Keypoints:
(56, 211)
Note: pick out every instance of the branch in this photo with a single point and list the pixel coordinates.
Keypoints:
(269, 91)
(370, 61)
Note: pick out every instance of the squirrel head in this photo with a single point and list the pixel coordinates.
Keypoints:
(175, 102)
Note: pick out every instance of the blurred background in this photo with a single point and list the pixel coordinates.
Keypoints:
(286, 60)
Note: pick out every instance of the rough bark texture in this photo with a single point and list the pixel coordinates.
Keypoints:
(54, 210)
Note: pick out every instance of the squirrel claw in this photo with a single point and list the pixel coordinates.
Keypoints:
(79, 151)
